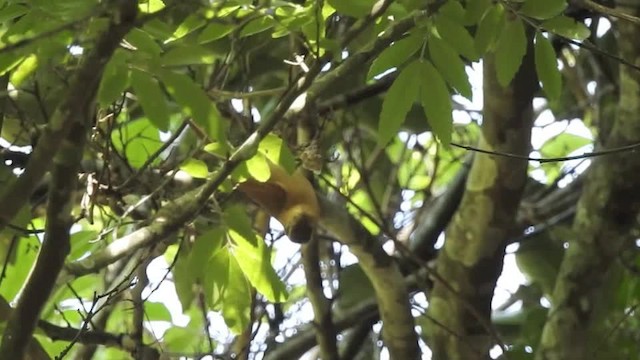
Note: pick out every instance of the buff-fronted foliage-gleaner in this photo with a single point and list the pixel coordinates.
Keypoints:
(288, 197)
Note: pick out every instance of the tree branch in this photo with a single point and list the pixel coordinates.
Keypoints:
(55, 247)
(73, 109)
(606, 214)
(325, 329)
(385, 276)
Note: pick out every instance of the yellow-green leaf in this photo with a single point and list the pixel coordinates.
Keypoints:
(566, 27)
(355, 8)
(547, 67)
(259, 167)
(254, 259)
(22, 71)
(196, 168)
(236, 302)
(276, 150)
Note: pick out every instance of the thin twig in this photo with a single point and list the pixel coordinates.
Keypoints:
(617, 150)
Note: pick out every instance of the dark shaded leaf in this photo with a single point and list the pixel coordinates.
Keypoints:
(547, 67)
(436, 102)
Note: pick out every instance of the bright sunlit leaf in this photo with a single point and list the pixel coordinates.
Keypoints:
(196, 168)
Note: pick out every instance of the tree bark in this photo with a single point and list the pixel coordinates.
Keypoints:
(471, 259)
(606, 212)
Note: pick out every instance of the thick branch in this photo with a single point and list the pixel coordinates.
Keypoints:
(476, 238)
(77, 102)
(366, 311)
(606, 212)
(385, 276)
(54, 250)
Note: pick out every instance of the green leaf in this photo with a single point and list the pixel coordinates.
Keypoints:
(543, 9)
(194, 101)
(276, 150)
(136, 140)
(398, 101)
(258, 167)
(217, 148)
(178, 338)
(17, 273)
(355, 8)
(9, 60)
(254, 259)
(455, 34)
(188, 55)
(396, 54)
(510, 50)
(236, 303)
(236, 218)
(256, 26)
(563, 144)
(151, 6)
(547, 67)
(355, 287)
(151, 98)
(450, 66)
(566, 27)
(115, 79)
(26, 67)
(143, 41)
(183, 278)
(156, 311)
(436, 102)
(192, 23)
(11, 12)
(453, 10)
(475, 10)
(214, 31)
(206, 247)
(196, 168)
(489, 28)
(81, 243)
(216, 278)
